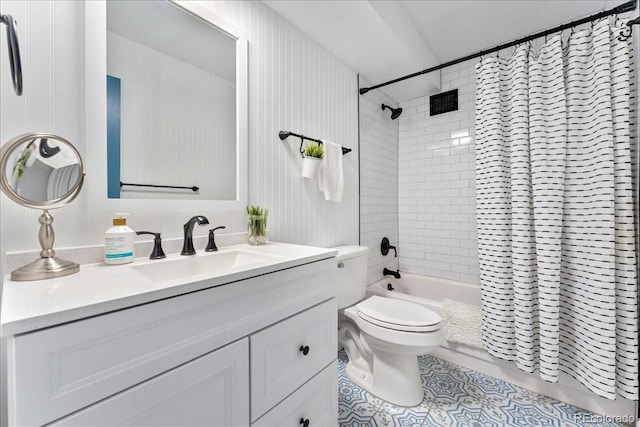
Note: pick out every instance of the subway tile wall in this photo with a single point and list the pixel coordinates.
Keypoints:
(378, 179)
(436, 183)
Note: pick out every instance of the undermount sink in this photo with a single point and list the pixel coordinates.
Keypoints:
(211, 264)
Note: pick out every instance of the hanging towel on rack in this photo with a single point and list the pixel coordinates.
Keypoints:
(330, 177)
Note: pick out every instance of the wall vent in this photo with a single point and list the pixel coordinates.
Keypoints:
(443, 102)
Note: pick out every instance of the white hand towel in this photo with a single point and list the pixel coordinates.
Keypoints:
(330, 177)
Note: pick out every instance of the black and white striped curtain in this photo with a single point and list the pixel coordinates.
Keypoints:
(555, 210)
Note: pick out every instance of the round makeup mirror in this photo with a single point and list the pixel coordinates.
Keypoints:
(42, 171)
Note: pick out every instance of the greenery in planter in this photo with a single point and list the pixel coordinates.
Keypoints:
(21, 163)
(314, 150)
(257, 220)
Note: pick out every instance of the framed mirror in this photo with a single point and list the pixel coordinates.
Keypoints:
(166, 86)
(42, 171)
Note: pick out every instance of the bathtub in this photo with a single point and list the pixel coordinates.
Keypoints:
(430, 292)
(426, 291)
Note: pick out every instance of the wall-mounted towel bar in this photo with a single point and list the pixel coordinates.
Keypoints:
(194, 188)
(286, 134)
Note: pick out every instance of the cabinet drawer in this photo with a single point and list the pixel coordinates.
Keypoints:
(279, 364)
(209, 391)
(56, 371)
(316, 401)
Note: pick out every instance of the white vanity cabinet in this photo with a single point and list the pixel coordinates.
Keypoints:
(258, 350)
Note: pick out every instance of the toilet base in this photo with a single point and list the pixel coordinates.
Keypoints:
(396, 380)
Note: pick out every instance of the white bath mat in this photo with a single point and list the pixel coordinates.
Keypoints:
(462, 323)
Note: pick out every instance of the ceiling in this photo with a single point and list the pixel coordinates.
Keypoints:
(386, 39)
(191, 39)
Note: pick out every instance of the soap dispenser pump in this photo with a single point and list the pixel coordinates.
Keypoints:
(119, 241)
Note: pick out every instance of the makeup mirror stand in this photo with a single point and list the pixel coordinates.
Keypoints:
(48, 265)
(38, 175)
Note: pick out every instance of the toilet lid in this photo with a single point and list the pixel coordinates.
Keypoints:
(398, 315)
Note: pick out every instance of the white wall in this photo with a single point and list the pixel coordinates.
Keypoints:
(173, 113)
(296, 85)
(436, 183)
(378, 179)
(293, 85)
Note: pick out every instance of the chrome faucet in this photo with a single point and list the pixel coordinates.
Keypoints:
(187, 247)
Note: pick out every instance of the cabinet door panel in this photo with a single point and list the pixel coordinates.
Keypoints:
(278, 366)
(316, 401)
(212, 390)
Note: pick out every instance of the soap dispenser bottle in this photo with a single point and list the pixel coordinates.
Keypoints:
(118, 241)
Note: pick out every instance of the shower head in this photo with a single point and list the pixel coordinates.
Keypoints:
(395, 112)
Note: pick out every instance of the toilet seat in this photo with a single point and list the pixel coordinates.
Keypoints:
(398, 315)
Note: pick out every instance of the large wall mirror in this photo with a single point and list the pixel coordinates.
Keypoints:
(166, 107)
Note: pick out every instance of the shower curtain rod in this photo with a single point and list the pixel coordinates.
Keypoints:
(625, 7)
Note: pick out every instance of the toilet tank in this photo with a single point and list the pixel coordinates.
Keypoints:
(352, 274)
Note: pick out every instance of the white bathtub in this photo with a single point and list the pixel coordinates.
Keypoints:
(430, 292)
(426, 291)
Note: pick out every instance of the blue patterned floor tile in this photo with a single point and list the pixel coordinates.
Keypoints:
(430, 364)
(356, 406)
(389, 414)
(438, 410)
(543, 403)
(463, 417)
(579, 417)
(459, 397)
(489, 384)
(519, 414)
(353, 417)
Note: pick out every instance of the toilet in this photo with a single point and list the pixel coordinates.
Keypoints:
(382, 337)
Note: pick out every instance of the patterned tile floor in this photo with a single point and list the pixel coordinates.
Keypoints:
(458, 397)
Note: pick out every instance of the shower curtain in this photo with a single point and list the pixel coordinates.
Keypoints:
(555, 210)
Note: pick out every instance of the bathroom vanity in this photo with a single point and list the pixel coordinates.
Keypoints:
(244, 336)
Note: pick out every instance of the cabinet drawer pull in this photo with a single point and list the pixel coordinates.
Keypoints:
(304, 349)
(305, 423)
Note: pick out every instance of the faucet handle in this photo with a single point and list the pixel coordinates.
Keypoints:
(385, 245)
(211, 246)
(157, 252)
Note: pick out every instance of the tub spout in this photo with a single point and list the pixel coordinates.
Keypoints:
(387, 272)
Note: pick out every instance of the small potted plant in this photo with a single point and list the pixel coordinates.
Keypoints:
(257, 222)
(313, 153)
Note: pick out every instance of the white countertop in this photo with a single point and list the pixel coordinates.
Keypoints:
(101, 288)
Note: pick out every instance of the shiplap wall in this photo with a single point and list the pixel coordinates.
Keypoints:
(294, 84)
(378, 179)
